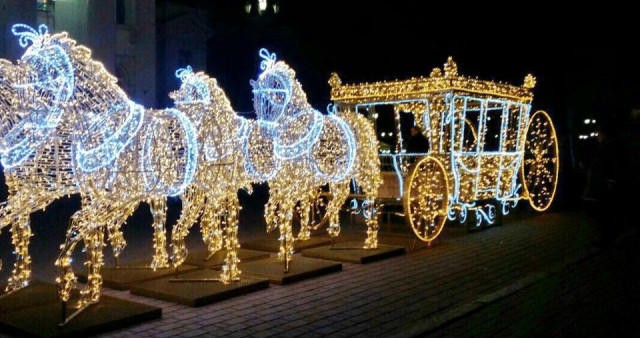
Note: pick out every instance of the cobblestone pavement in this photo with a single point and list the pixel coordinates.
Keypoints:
(595, 297)
(500, 280)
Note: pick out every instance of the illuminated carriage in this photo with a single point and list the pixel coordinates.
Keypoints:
(486, 149)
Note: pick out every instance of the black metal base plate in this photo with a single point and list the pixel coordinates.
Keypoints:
(217, 260)
(273, 245)
(198, 293)
(300, 268)
(125, 275)
(35, 312)
(352, 252)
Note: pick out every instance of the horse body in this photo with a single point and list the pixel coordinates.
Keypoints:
(68, 128)
(212, 195)
(298, 150)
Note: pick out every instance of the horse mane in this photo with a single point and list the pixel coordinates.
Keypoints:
(86, 68)
(298, 99)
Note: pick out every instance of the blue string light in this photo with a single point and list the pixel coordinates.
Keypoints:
(49, 83)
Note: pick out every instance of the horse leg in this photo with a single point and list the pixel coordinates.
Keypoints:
(372, 228)
(210, 226)
(230, 271)
(75, 233)
(305, 218)
(193, 203)
(94, 243)
(159, 212)
(116, 239)
(340, 194)
(114, 231)
(287, 240)
(20, 236)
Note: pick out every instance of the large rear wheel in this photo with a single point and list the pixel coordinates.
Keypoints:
(540, 163)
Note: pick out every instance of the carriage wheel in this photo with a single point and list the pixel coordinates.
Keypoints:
(540, 162)
(426, 198)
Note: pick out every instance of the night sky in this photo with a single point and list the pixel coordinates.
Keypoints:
(583, 62)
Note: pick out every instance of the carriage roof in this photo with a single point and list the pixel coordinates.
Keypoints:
(419, 88)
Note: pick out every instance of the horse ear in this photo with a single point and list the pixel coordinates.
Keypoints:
(43, 29)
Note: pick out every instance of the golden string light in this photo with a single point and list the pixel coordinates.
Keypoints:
(299, 151)
(481, 139)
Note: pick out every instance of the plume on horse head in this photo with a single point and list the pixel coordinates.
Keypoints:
(276, 92)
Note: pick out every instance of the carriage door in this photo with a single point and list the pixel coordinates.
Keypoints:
(515, 115)
(492, 132)
(468, 114)
(383, 118)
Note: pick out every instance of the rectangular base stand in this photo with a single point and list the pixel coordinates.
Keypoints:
(35, 312)
(198, 258)
(273, 245)
(300, 268)
(352, 252)
(197, 291)
(125, 275)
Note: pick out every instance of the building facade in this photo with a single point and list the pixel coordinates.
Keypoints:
(141, 42)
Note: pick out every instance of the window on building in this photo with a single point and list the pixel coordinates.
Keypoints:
(46, 5)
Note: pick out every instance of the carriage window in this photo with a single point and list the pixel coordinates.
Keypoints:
(385, 126)
(514, 126)
(467, 126)
(470, 130)
(363, 110)
(406, 122)
(493, 126)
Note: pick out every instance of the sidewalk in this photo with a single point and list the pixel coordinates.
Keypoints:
(436, 289)
(595, 297)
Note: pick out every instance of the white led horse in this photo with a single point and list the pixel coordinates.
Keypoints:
(298, 150)
(109, 149)
(35, 144)
(212, 196)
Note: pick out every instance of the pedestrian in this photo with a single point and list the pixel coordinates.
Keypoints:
(601, 189)
(417, 143)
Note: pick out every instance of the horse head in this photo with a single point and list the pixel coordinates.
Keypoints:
(273, 90)
(36, 87)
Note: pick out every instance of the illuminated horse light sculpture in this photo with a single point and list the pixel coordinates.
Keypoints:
(111, 151)
(212, 195)
(35, 144)
(298, 150)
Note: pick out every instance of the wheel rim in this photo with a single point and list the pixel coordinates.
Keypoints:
(426, 198)
(540, 163)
